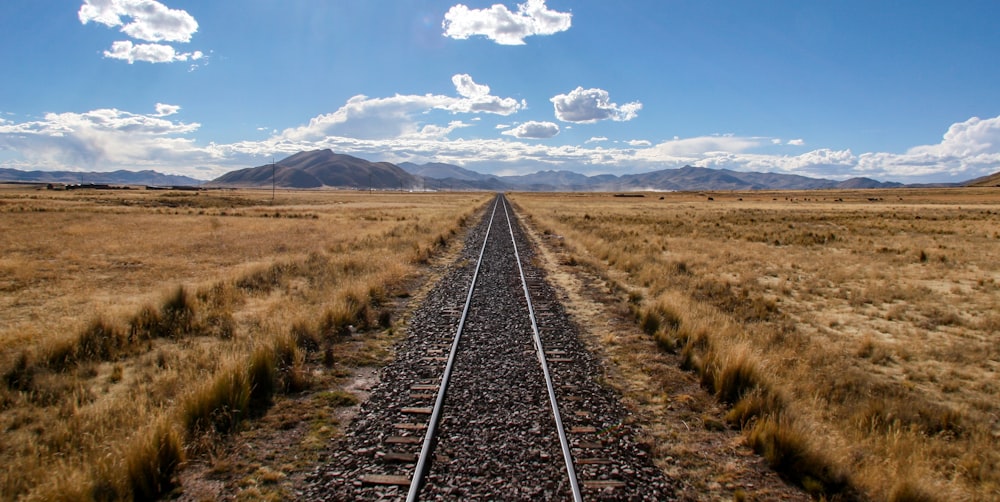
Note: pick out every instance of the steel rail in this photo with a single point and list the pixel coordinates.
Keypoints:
(567, 455)
(425, 451)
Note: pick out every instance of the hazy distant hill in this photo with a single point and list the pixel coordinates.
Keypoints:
(441, 171)
(992, 180)
(110, 178)
(321, 168)
(854, 183)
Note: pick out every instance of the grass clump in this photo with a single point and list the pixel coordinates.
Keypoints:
(788, 448)
(219, 405)
(152, 462)
(738, 377)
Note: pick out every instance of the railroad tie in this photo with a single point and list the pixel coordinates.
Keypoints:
(384, 479)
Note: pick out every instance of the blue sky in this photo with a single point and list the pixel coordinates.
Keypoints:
(903, 91)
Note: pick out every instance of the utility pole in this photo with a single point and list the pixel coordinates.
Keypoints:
(272, 180)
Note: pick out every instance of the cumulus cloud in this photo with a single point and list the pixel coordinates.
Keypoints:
(504, 27)
(639, 142)
(591, 105)
(149, 53)
(164, 110)
(596, 139)
(476, 98)
(98, 139)
(147, 19)
(972, 147)
(693, 148)
(369, 118)
(533, 130)
(108, 139)
(796, 142)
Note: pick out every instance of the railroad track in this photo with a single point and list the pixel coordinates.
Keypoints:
(492, 396)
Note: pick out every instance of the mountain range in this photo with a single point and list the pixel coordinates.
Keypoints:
(326, 169)
(323, 168)
(120, 177)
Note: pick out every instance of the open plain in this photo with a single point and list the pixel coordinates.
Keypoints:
(138, 327)
(851, 335)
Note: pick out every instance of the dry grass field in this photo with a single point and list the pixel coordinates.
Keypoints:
(854, 334)
(137, 327)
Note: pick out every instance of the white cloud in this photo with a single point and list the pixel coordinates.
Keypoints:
(503, 26)
(477, 98)
(695, 148)
(371, 118)
(109, 139)
(99, 140)
(972, 147)
(149, 53)
(503, 126)
(432, 131)
(796, 142)
(467, 88)
(164, 110)
(639, 142)
(149, 20)
(533, 130)
(775, 141)
(591, 105)
(596, 139)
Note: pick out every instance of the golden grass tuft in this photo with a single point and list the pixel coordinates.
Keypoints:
(152, 462)
(791, 450)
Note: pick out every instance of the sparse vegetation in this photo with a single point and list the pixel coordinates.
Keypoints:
(140, 328)
(852, 341)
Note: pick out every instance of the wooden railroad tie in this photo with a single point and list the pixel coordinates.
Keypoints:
(384, 479)
(410, 427)
(417, 411)
(593, 461)
(600, 484)
(404, 440)
(398, 456)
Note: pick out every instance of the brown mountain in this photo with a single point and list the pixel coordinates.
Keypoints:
(992, 180)
(320, 168)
